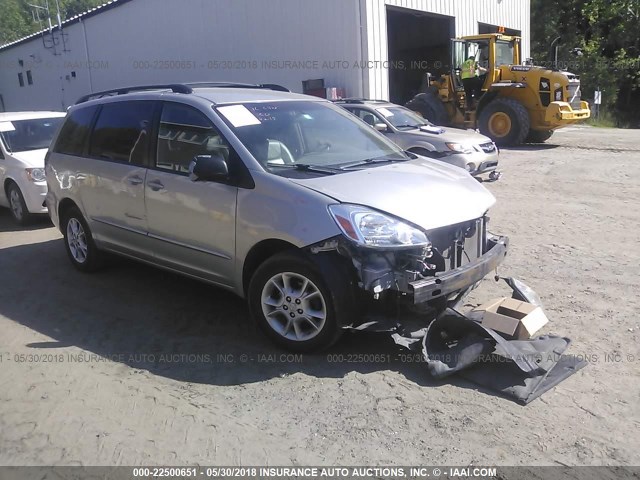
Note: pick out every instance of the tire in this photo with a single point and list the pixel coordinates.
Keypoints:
(505, 121)
(539, 136)
(17, 205)
(430, 107)
(299, 305)
(78, 241)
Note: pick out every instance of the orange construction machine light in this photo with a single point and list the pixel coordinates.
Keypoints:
(501, 30)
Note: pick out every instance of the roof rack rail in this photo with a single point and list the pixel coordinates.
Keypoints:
(355, 100)
(174, 87)
(266, 86)
(180, 88)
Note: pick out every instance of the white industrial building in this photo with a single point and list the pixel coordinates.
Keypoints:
(369, 48)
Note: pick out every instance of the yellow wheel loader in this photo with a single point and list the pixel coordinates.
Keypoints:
(516, 103)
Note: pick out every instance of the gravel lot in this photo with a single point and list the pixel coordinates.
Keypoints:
(135, 366)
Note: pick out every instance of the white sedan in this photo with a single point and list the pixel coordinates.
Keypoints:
(24, 140)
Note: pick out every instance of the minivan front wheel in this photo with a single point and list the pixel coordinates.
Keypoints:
(81, 248)
(17, 205)
(293, 303)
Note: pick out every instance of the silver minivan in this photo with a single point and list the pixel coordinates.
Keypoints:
(317, 219)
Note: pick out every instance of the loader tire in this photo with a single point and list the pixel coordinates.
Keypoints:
(430, 107)
(539, 136)
(505, 121)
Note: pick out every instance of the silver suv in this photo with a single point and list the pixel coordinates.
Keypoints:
(290, 201)
(463, 148)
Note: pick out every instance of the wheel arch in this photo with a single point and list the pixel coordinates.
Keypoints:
(64, 206)
(485, 100)
(5, 186)
(258, 254)
(422, 146)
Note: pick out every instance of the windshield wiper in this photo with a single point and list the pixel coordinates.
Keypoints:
(372, 161)
(305, 167)
(412, 126)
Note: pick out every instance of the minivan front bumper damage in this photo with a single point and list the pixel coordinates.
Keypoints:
(420, 277)
(461, 278)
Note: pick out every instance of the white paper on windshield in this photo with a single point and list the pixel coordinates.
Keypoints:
(7, 127)
(385, 112)
(432, 129)
(239, 115)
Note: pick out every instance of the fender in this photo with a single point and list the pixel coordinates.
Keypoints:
(424, 145)
(485, 100)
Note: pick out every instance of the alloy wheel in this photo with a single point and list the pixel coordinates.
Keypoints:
(293, 306)
(77, 240)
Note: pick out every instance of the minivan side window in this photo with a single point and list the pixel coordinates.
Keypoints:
(122, 132)
(185, 133)
(74, 132)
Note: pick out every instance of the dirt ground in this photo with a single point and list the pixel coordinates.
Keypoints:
(135, 366)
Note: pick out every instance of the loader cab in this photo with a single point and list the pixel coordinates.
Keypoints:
(491, 51)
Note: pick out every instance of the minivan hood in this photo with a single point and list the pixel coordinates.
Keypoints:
(31, 158)
(425, 192)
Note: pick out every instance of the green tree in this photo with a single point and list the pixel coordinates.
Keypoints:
(13, 21)
(612, 38)
(71, 8)
(16, 18)
(608, 34)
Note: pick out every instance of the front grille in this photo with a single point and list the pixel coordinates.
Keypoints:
(574, 95)
(488, 147)
(459, 244)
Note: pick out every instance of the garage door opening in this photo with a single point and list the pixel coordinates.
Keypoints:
(418, 44)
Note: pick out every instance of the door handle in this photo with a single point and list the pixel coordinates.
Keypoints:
(155, 185)
(135, 180)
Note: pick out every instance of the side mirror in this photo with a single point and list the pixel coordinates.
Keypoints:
(208, 168)
(381, 127)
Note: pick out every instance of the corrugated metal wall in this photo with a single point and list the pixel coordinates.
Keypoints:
(515, 14)
(155, 41)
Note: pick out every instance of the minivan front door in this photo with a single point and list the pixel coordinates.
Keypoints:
(191, 223)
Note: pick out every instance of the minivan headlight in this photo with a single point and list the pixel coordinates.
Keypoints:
(370, 228)
(460, 147)
(35, 174)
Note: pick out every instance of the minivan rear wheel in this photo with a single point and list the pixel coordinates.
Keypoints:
(294, 304)
(81, 249)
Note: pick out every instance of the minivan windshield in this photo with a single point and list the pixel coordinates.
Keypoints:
(314, 137)
(32, 134)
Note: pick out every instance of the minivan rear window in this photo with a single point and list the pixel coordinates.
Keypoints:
(122, 132)
(74, 132)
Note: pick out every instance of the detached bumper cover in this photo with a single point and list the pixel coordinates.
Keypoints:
(462, 277)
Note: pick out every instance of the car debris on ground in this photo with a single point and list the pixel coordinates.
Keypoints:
(505, 358)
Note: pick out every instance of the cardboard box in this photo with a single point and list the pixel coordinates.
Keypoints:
(512, 317)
